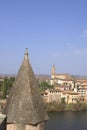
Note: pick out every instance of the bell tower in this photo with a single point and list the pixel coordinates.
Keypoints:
(53, 71)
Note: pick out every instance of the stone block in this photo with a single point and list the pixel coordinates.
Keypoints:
(3, 121)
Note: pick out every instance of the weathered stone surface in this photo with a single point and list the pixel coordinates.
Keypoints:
(24, 104)
(40, 126)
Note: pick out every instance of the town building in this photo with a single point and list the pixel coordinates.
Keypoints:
(66, 87)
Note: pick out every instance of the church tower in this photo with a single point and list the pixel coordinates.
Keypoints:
(53, 69)
(53, 72)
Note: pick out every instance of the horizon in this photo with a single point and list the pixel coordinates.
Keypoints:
(39, 74)
(55, 32)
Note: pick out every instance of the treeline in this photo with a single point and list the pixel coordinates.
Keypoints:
(6, 86)
(55, 106)
(44, 85)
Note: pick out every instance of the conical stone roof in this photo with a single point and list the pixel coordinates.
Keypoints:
(24, 104)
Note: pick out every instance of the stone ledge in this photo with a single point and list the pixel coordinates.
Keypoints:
(3, 121)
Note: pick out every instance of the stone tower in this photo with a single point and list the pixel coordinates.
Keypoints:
(53, 72)
(53, 69)
(25, 109)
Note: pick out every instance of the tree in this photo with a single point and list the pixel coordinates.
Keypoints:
(44, 85)
(6, 86)
(63, 100)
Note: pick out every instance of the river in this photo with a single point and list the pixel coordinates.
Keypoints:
(67, 120)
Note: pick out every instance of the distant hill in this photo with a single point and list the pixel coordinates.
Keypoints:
(43, 75)
(8, 75)
(80, 76)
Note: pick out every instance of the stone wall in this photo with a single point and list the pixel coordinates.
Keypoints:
(40, 126)
(3, 121)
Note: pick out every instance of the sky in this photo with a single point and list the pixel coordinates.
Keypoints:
(54, 31)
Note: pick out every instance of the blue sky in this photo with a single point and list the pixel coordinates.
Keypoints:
(54, 31)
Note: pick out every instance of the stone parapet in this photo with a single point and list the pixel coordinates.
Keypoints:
(40, 126)
(3, 121)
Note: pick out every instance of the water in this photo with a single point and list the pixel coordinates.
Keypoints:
(67, 121)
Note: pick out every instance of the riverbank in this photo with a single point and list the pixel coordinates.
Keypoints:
(54, 107)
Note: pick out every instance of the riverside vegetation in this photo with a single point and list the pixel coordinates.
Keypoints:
(6, 86)
(55, 106)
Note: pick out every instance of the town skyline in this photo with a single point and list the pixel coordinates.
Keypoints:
(55, 32)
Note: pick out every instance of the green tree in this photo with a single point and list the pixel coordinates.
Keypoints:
(63, 100)
(6, 86)
(44, 85)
